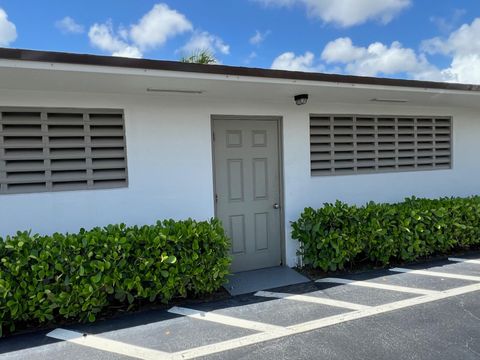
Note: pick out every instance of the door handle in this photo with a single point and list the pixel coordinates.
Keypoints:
(276, 206)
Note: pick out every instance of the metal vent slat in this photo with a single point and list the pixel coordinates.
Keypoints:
(350, 144)
(61, 149)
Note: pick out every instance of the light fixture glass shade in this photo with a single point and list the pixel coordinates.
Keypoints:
(301, 99)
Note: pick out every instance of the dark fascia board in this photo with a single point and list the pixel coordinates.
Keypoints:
(112, 61)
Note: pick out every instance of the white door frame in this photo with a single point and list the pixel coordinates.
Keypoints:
(279, 121)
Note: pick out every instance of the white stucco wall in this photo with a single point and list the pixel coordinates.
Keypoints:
(170, 163)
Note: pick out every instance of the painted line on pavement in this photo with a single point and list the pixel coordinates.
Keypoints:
(112, 346)
(322, 323)
(385, 308)
(469, 261)
(376, 285)
(312, 299)
(437, 274)
(272, 332)
(227, 320)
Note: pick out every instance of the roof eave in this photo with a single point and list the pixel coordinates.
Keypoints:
(131, 63)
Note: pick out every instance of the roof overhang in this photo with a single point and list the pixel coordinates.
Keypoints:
(53, 71)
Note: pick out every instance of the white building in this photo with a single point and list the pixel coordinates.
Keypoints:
(91, 140)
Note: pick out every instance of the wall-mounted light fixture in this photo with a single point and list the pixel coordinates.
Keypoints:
(301, 99)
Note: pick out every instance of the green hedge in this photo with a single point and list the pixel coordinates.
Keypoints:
(338, 234)
(76, 276)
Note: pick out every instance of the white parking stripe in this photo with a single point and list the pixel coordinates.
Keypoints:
(228, 345)
(437, 274)
(267, 331)
(469, 261)
(227, 320)
(375, 285)
(397, 305)
(313, 299)
(321, 323)
(117, 347)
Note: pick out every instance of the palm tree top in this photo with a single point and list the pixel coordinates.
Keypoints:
(200, 57)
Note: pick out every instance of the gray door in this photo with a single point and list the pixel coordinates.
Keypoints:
(247, 187)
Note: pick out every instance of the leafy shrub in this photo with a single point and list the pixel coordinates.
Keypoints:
(339, 234)
(76, 276)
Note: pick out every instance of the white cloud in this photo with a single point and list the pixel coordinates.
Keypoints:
(103, 37)
(376, 59)
(123, 33)
(159, 24)
(259, 37)
(253, 55)
(447, 24)
(202, 40)
(463, 41)
(342, 50)
(347, 13)
(69, 25)
(463, 46)
(463, 69)
(151, 31)
(8, 31)
(290, 61)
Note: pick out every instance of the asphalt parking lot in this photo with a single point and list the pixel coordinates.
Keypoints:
(429, 311)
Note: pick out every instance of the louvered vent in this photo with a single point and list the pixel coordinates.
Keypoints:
(54, 150)
(341, 145)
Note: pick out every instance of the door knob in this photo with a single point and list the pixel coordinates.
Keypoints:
(276, 206)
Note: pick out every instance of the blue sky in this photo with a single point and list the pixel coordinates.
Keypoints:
(418, 39)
